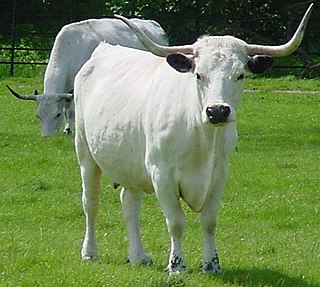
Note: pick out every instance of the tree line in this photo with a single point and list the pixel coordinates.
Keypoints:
(255, 21)
(252, 20)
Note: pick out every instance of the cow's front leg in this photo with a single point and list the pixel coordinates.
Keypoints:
(131, 203)
(69, 117)
(175, 219)
(208, 218)
(67, 129)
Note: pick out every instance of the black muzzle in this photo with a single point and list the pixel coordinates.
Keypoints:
(218, 114)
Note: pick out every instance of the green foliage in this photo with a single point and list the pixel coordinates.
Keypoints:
(28, 71)
(268, 226)
(184, 21)
(26, 56)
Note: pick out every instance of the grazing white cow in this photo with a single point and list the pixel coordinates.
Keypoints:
(164, 125)
(72, 48)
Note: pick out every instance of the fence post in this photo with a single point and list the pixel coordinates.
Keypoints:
(13, 38)
(198, 6)
(132, 8)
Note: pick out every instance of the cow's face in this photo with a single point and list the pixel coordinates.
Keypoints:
(219, 66)
(50, 113)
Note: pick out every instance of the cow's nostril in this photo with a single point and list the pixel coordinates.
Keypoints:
(209, 111)
(225, 110)
(218, 113)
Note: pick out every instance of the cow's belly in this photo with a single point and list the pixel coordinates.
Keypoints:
(120, 158)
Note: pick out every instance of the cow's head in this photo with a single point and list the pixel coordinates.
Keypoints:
(49, 109)
(219, 65)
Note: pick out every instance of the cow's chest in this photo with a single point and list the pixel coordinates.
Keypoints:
(199, 182)
(196, 164)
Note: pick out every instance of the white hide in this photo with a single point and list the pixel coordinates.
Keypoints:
(142, 123)
(72, 48)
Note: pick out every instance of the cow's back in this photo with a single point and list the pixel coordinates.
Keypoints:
(115, 32)
(75, 43)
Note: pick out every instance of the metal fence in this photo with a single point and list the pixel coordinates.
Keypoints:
(17, 28)
(11, 18)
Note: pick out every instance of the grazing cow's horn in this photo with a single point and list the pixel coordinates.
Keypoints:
(285, 49)
(154, 48)
(66, 96)
(22, 97)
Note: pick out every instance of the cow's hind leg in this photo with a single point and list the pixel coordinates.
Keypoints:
(91, 178)
(131, 203)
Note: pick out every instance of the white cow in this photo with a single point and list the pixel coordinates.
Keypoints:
(164, 125)
(72, 48)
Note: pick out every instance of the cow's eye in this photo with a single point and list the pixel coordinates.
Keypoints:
(198, 76)
(241, 77)
(58, 116)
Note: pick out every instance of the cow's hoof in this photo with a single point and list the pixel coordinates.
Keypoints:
(89, 254)
(67, 131)
(175, 271)
(116, 185)
(211, 268)
(176, 266)
(89, 257)
(146, 260)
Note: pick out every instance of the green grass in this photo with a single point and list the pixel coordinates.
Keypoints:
(268, 227)
(282, 83)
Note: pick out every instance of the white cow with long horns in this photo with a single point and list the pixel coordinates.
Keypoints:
(73, 46)
(164, 122)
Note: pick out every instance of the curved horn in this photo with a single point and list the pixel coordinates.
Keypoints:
(22, 97)
(161, 51)
(285, 49)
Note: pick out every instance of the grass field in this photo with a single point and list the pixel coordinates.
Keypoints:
(268, 227)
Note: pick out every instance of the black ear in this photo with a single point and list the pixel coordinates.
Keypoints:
(260, 63)
(180, 62)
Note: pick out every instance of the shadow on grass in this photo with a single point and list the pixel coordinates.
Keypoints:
(263, 277)
(237, 277)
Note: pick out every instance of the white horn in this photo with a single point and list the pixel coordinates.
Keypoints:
(161, 51)
(22, 97)
(285, 49)
(66, 96)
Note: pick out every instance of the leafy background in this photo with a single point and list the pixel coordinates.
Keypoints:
(263, 22)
